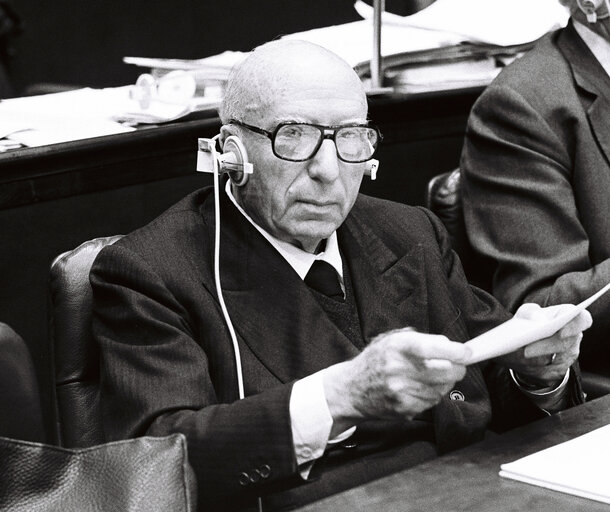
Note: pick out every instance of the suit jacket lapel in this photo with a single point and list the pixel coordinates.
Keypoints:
(271, 309)
(599, 117)
(390, 291)
(281, 322)
(593, 83)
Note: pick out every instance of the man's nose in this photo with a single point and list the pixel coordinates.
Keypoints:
(325, 163)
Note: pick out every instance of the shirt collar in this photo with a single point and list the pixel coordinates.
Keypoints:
(599, 46)
(298, 259)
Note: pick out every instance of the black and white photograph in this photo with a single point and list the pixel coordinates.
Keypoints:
(268, 256)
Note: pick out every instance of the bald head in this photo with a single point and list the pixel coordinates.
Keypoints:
(272, 72)
(572, 5)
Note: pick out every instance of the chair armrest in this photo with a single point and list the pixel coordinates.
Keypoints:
(595, 384)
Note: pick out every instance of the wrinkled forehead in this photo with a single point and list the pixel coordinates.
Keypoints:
(294, 75)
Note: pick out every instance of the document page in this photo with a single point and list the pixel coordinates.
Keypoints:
(580, 466)
(519, 332)
(501, 22)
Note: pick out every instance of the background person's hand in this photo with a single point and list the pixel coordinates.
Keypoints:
(545, 362)
(398, 375)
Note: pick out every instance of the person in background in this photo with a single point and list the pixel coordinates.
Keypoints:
(536, 174)
(350, 312)
(10, 27)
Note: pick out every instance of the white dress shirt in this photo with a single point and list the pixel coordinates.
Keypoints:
(310, 417)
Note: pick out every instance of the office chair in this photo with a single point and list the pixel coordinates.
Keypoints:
(444, 199)
(20, 407)
(76, 356)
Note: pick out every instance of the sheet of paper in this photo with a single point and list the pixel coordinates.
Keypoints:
(354, 41)
(9, 125)
(63, 117)
(86, 113)
(501, 22)
(519, 332)
(222, 62)
(580, 466)
(443, 76)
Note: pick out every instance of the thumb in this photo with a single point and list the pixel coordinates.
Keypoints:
(529, 311)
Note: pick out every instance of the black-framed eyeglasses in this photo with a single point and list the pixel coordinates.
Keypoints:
(298, 142)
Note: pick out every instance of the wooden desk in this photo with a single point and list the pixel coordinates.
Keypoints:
(53, 198)
(467, 480)
(422, 136)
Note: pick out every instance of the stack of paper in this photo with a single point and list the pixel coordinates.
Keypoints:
(208, 70)
(443, 76)
(413, 47)
(444, 24)
(498, 22)
(580, 467)
(353, 42)
(85, 113)
(64, 116)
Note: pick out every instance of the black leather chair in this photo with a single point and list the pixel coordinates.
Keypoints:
(76, 356)
(20, 408)
(444, 199)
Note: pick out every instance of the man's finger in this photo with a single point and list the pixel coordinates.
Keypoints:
(580, 323)
(429, 347)
(553, 345)
(530, 310)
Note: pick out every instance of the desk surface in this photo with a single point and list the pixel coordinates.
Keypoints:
(467, 480)
(32, 175)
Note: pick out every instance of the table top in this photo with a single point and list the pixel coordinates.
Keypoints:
(156, 152)
(468, 480)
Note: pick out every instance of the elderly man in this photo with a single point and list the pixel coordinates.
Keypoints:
(342, 384)
(536, 172)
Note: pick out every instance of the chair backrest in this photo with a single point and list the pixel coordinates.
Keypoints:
(444, 198)
(20, 407)
(76, 356)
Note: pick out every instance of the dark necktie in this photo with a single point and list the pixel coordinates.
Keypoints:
(323, 278)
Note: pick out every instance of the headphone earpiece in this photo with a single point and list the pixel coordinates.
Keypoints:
(372, 166)
(233, 160)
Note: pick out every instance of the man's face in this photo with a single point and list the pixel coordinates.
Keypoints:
(303, 202)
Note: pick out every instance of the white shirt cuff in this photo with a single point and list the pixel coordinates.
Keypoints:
(311, 422)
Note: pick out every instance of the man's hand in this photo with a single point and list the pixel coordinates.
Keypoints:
(545, 362)
(400, 374)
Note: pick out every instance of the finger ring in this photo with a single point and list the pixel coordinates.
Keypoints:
(552, 359)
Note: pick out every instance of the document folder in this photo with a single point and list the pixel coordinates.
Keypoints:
(580, 466)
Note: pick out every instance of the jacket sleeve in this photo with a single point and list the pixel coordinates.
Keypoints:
(480, 312)
(520, 207)
(156, 379)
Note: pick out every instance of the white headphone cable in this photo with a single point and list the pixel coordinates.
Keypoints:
(221, 300)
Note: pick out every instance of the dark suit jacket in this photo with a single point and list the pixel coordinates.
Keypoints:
(168, 364)
(536, 182)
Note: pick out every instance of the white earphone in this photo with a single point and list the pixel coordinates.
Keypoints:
(233, 159)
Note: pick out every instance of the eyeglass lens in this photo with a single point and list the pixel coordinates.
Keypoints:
(300, 141)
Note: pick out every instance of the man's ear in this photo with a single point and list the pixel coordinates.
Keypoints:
(225, 131)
